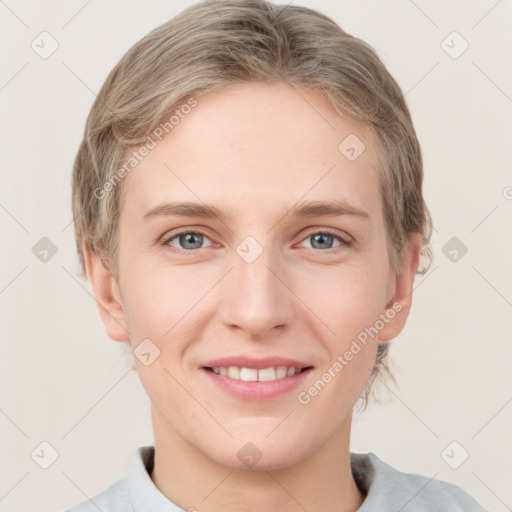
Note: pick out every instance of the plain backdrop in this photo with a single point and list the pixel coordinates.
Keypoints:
(65, 383)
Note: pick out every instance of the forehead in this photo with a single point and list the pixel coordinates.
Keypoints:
(259, 145)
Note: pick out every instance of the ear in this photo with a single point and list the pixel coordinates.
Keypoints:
(107, 295)
(401, 286)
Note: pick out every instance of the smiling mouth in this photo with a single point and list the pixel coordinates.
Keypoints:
(257, 375)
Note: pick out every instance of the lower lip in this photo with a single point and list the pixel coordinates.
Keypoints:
(256, 390)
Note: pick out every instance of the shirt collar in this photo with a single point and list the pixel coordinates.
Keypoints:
(144, 494)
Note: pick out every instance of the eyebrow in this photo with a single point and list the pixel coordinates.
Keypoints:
(302, 209)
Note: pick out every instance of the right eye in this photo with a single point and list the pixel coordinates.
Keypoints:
(186, 240)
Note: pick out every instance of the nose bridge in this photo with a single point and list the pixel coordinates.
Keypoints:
(259, 300)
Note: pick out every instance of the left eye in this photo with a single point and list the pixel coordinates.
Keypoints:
(324, 240)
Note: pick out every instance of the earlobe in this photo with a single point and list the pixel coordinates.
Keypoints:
(397, 309)
(107, 295)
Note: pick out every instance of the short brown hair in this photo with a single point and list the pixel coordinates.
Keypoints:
(213, 44)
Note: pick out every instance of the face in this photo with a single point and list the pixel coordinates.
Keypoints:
(262, 273)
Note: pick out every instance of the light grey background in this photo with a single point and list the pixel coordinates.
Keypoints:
(65, 382)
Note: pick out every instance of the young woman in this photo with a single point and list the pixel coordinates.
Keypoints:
(248, 207)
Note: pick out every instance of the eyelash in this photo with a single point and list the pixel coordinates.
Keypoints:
(343, 241)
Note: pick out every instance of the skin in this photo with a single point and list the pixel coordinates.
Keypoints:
(254, 151)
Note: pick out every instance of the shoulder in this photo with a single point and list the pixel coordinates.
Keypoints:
(135, 485)
(390, 489)
(113, 499)
(136, 491)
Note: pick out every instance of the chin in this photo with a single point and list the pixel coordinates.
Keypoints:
(258, 453)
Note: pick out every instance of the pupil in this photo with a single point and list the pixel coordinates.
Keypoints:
(321, 237)
(189, 239)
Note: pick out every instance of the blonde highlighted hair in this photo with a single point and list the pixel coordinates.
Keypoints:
(220, 42)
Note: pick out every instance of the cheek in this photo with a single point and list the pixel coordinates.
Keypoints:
(348, 301)
(157, 298)
(347, 298)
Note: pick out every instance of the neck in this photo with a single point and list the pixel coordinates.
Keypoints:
(322, 481)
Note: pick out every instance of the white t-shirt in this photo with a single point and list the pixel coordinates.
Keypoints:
(386, 490)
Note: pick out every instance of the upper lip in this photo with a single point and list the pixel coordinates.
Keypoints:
(256, 363)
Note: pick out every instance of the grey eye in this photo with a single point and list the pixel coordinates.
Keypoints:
(188, 240)
(322, 240)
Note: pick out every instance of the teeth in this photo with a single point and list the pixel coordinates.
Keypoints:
(234, 372)
(281, 372)
(253, 375)
(248, 374)
(267, 374)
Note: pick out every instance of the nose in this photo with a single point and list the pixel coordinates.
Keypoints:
(256, 298)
